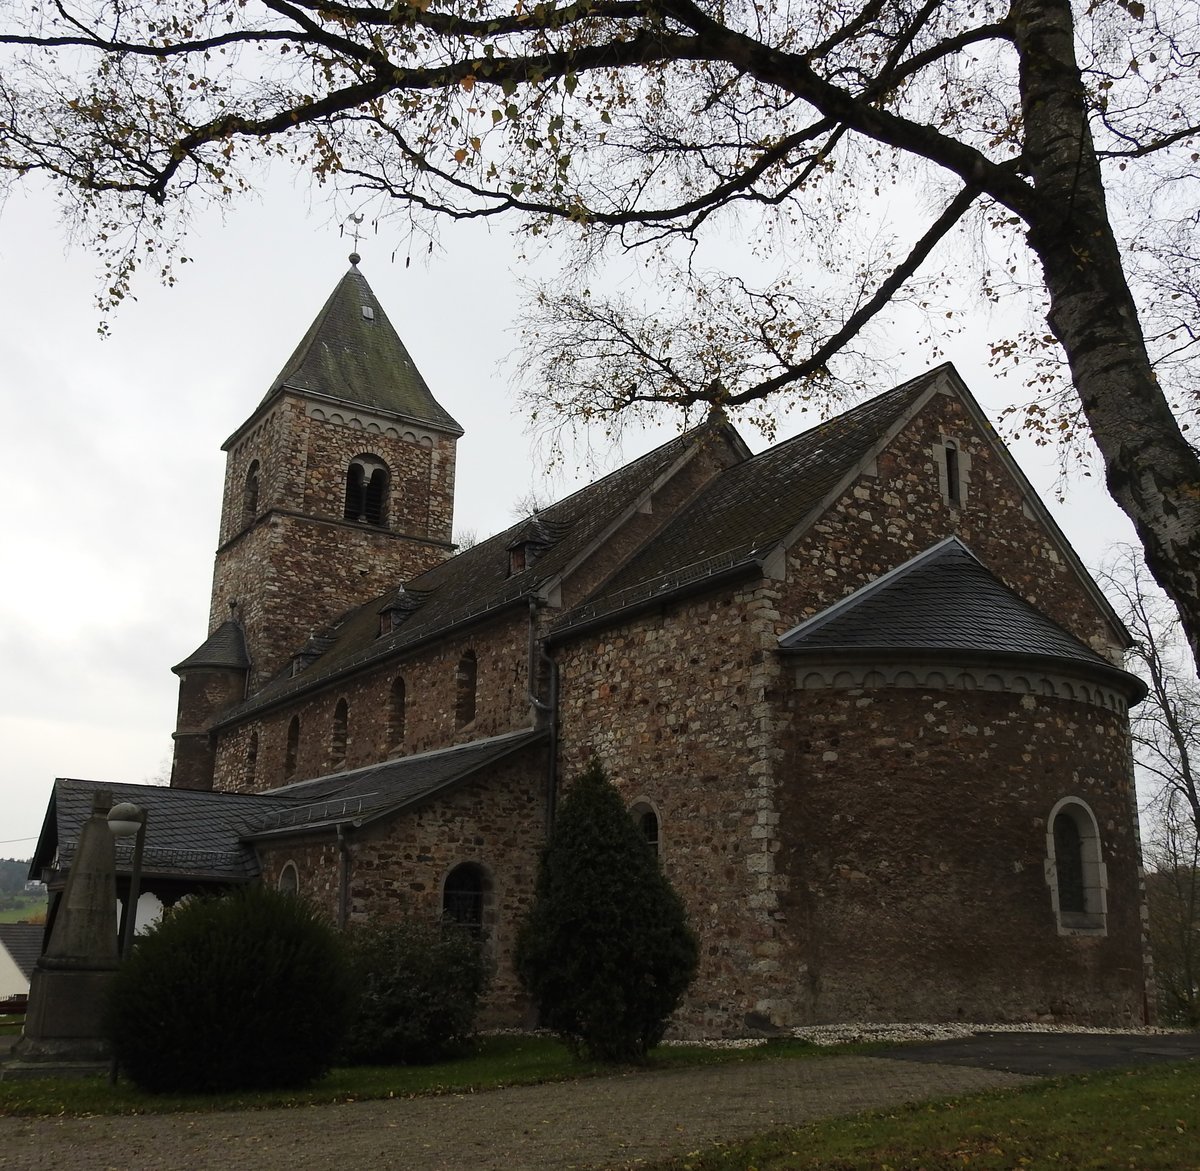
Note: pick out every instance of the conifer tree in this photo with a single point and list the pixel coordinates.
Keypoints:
(606, 953)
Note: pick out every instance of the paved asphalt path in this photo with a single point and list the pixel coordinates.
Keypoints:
(1048, 1054)
(602, 1122)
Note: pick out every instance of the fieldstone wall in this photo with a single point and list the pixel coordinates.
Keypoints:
(899, 510)
(680, 708)
(203, 692)
(429, 674)
(398, 868)
(292, 576)
(913, 827)
(298, 564)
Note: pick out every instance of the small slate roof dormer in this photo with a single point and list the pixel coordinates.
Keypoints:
(312, 651)
(397, 609)
(945, 601)
(224, 648)
(352, 354)
(531, 539)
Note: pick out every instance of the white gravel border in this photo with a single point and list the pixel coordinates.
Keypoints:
(858, 1032)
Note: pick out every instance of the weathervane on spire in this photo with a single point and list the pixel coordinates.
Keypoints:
(356, 220)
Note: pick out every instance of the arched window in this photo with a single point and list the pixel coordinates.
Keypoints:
(953, 481)
(377, 494)
(464, 690)
(289, 879)
(367, 490)
(292, 752)
(356, 497)
(341, 727)
(1075, 870)
(953, 467)
(1068, 864)
(647, 822)
(250, 494)
(251, 760)
(463, 898)
(396, 714)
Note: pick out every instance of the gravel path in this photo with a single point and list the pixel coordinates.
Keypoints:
(601, 1122)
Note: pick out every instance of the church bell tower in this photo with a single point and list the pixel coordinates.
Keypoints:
(338, 487)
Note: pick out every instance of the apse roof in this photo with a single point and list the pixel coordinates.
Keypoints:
(943, 600)
(352, 353)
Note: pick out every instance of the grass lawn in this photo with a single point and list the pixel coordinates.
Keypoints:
(23, 907)
(1145, 1120)
(499, 1061)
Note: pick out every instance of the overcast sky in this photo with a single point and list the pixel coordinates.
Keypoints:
(111, 465)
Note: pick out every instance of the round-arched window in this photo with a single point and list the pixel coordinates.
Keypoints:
(463, 897)
(1075, 869)
(289, 879)
(647, 822)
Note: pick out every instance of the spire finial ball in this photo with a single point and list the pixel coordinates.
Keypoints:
(355, 258)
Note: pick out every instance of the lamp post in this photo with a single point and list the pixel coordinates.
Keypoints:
(125, 820)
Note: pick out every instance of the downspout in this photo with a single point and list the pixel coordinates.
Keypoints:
(343, 875)
(546, 711)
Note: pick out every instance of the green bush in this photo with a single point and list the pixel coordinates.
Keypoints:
(250, 990)
(418, 991)
(606, 953)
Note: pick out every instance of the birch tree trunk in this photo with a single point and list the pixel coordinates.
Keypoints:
(1152, 471)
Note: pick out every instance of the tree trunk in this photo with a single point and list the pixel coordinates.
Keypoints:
(1153, 472)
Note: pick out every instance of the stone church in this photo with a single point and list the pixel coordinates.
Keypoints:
(857, 690)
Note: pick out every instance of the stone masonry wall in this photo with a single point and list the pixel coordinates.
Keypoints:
(203, 691)
(886, 518)
(678, 707)
(429, 675)
(398, 868)
(303, 452)
(293, 576)
(299, 564)
(913, 826)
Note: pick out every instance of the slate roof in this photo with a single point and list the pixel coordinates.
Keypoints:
(347, 356)
(225, 647)
(23, 941)
(189, 834)
(205, 836)
(366, 794)
(945, 600)
(477, 581)
(751, 507)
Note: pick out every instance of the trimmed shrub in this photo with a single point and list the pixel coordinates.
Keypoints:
(606, 953)
(248, 990)
(418, 991)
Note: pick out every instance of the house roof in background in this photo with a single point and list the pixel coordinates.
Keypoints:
(23, 941)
